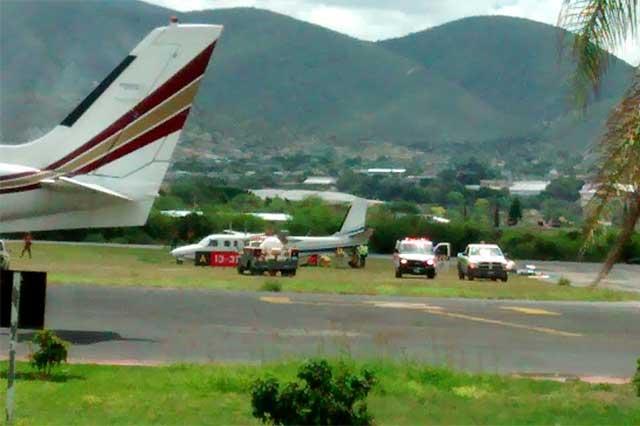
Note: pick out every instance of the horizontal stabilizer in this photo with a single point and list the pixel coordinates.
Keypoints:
(63, 182)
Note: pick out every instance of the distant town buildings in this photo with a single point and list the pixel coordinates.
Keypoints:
(519, 188)
(588, 191)
(300, 194)
(180, 213)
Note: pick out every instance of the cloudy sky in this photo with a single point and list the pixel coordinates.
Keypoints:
(380, 19)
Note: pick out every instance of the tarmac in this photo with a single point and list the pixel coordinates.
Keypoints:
(136, 325)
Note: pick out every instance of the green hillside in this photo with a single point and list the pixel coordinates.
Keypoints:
(276, 80)
(514, 65)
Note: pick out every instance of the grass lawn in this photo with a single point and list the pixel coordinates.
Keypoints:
(132, 267)
(407, 393)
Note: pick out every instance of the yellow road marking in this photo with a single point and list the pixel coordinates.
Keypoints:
(434, 310)
(402, 305)
(529, 311)
(437, 310)
(276, 299)
(545, 330)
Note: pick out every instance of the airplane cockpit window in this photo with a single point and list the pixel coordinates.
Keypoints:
(213, 243)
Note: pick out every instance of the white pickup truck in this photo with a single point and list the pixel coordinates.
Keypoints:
(4, 256)
(482, 261)
(418, 256)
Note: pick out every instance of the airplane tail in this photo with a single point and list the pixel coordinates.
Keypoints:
(355, 220)
(118, 142)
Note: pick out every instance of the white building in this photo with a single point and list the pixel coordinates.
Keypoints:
(528, 188)
(382, 171)
(273, 217)
(320, 180)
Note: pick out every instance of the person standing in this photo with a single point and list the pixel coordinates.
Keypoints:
(363, 251)
(28, 241)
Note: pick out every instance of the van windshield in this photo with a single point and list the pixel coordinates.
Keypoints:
(416, 248)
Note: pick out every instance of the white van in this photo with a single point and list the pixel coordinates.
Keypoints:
(215, 243)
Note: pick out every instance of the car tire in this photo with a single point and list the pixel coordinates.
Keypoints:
(471, 277)
(398, 273)
(505, 278)
(460, 275)
(431, 275)
(494, 279)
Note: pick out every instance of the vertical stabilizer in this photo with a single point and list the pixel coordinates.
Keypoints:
(116, 145)
(355, 220)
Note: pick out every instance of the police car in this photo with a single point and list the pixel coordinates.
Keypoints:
(416, 256)
(4, 256)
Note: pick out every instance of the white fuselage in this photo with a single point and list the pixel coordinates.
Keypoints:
(306, 245)
(221, 243)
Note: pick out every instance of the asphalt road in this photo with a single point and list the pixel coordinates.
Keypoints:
(143, 325)
(622, 277)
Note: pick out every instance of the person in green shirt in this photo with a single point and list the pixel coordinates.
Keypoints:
(363, 252)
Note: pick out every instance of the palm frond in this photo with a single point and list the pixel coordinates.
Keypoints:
(618, 174)
(597, 26)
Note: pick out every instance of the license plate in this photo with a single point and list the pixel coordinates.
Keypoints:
(417, 270)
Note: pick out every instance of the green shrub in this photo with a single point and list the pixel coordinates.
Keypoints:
(636, 378)
(272, 285)
(51, 351)
(564, 282)
(320, 397)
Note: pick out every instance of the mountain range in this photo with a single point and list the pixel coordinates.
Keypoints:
(275, 80)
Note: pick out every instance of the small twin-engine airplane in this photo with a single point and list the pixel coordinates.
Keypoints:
(352, 233)
(103, 165)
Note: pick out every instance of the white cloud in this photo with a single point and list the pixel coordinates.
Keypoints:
(381, 19)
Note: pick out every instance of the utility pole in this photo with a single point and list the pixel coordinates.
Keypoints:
(11, 376)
